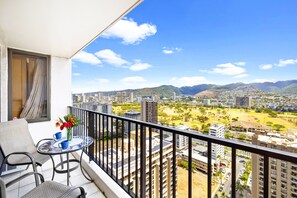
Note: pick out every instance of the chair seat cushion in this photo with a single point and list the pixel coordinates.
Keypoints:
(23, 159)
(51, 189)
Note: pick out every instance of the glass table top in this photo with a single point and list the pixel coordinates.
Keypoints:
(78, 142)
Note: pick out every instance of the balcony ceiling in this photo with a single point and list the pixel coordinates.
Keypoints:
(58, 27)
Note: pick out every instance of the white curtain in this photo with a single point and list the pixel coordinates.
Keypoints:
(35, 105)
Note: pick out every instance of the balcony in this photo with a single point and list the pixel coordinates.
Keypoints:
(132, 158)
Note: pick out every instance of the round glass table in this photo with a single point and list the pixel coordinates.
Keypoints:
(52, 148)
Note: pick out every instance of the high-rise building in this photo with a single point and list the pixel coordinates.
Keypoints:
(131, 97)
(149, 111)
(133, 115)
(217, 130)
(121, 96)
(104, 108)
(167, 166)
(206, 102)
(282, 174)
(181, 140)
(84, 97)
(245, 101)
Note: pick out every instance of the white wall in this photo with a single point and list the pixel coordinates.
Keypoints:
(3, 83)
(60, 85)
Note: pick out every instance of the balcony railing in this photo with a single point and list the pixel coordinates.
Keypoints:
(125, 149)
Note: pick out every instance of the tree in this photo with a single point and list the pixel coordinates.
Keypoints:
(272, 114)
(239, 188)
(227, 135)
(278, 127)
(242, 136)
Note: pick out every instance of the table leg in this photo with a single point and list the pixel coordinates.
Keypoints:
(88, 178)
(68, 175)
(54, 167)
(61, 158)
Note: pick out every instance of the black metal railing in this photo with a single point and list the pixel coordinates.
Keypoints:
(127, 151)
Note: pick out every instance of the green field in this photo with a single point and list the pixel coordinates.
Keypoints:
(200, 118)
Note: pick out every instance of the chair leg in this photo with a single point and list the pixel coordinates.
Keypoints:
(1, 167)
(36, 176)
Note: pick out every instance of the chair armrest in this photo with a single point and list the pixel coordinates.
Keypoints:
(82, 192)
(24, 176)
(5, 160)
(45, 139)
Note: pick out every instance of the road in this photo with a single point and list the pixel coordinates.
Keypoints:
(239, 167)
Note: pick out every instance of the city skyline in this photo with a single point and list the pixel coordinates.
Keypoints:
(191, 43)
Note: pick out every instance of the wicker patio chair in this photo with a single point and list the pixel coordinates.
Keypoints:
(17, 146)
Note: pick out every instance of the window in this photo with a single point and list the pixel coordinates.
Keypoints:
(28, 86)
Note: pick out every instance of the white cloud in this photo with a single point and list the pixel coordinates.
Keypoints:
(76, 74)
(283, 63)
(240, 63)
(241, 76)
(170, 50)
(133, 79)
(265, 66)
(102, 80)
(188, 80)
(111, 57)
(167, 51)
(134, 82)
(86, 57)
(130, 32)
(230, 69)
(139, 66)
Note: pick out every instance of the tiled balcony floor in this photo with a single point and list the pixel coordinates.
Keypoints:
(27, 184)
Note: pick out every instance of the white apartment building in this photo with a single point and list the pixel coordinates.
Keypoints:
(217, 130)
(181, 140)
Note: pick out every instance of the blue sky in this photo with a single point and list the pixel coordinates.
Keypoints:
(190, 42)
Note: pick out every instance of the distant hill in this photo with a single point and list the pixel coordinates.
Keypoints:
(281, 87)
(164, 91)
(211, 90)
(195, 89)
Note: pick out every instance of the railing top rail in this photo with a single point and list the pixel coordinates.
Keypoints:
(274, 153)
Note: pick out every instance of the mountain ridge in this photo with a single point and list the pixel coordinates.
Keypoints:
(279, 87)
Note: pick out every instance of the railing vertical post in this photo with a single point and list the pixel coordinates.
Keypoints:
(190, 168)
(233, 175)
(174, 167)
(129, 156)
(161, 164)
(143, 162)
(209, 169)
(150, 162)
(266, 176)
(91, 134)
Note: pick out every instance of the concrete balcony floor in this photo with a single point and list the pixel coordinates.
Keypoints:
(77, 179)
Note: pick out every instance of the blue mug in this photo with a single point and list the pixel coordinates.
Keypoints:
(57, 135)
(64, 144)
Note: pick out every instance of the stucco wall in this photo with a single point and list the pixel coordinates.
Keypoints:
(3, 82)
(60, 85)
